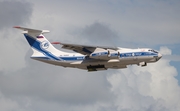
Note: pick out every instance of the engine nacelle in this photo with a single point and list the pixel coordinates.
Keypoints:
(114, 54)
(99, 55)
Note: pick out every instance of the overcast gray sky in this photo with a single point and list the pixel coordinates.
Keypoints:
(28, 85)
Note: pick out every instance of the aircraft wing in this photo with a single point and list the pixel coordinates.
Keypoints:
(83, 49)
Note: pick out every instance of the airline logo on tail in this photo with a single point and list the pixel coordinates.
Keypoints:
(44, 45)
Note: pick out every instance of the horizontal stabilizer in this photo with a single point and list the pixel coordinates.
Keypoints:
(28, 30)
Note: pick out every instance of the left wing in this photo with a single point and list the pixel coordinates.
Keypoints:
(83, 49)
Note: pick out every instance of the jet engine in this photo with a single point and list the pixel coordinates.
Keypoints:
(114, 55)
(99, 55)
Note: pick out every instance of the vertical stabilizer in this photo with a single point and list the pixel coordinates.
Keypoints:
(40, 45)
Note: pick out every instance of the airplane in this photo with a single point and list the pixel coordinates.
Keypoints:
(90, 58)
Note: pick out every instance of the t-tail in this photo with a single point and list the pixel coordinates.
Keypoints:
(42, 48)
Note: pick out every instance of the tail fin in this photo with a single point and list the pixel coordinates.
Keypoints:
(39, 44)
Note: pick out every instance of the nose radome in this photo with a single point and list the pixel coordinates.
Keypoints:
(159, 55)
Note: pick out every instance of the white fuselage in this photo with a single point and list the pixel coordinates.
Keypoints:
(114, 59)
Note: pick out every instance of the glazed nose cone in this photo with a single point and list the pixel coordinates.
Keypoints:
(159, 56)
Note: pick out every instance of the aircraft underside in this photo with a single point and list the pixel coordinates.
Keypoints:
(94, 65)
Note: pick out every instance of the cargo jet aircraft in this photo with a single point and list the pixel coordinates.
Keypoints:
(91, 58)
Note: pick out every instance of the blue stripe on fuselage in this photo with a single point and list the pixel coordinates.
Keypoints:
(80, 58)
(137, 54)
(72, 58)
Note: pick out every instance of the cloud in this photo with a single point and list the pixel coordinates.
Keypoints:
(98, 34)
(136, 23)
(29, 85)
(14, 13)
(150, 88)
(9, 104)
(165, 50)
(12, 47)
(45, 87)
(54, 83)
(152, 21)
(172, 57)
(167, 54)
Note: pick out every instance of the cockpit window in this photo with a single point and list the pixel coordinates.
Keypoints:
(153, 51)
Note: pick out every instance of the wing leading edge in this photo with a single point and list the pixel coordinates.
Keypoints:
(83, 49)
